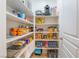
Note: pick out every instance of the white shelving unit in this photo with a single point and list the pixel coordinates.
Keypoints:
(13, 21)
(48, 21)
(10, 20)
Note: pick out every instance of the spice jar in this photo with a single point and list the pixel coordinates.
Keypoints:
(55, 29)
(50, 29)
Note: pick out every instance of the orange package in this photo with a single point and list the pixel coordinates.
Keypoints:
(13, 31)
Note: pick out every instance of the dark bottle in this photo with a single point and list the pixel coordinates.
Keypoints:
(47, 10)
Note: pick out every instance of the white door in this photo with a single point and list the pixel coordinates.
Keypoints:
(69, 17)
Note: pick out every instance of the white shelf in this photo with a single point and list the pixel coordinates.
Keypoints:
(46, 48)
(18, 5)
(46, 32)
(46, 16)
(20, 51)
(24, 49)
(13, 17)
(17, 37)
(46, 39)
(47, 24)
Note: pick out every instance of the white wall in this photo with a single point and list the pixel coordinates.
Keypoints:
(2, 29)
(39, 4)
(78, 18)
(59, 12)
